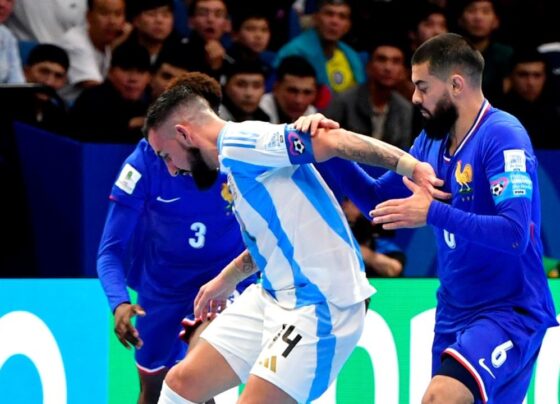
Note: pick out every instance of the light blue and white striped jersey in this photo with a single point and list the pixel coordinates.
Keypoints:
(292, 224)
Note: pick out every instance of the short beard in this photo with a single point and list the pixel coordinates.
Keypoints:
(204, 176)
(440, 123)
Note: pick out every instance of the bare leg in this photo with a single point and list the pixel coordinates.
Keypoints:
(258, 391)
(150, 386)
(447, 390)
(203, 374)
(193, 340)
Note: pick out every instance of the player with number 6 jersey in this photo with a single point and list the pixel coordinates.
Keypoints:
(494, 302)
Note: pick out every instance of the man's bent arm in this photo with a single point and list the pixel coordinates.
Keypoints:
(362, 149)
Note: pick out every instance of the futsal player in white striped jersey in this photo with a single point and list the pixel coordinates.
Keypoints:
(287, 337)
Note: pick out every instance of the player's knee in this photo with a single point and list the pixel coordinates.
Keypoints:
(445, 391)
(170, 396)
(180, 380)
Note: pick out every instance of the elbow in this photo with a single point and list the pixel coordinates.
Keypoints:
(520, 241)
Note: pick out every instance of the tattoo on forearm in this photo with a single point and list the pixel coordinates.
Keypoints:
(247, 264)
(368, 151)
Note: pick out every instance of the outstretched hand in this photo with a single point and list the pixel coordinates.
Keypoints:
(128, 335)
(311, 123)
(425, 176)
(408, 212)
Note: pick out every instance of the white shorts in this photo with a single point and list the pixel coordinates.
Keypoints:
(299, 350)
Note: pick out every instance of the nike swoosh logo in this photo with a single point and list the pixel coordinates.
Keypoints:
(160, 199)
(481, 363)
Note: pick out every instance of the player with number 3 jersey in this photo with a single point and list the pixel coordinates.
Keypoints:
(164, 238)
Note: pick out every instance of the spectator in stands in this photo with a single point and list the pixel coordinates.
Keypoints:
(152, 22)
(170, 64)
(429, 20)
(209, 23)
(551, 52)
(45, 21)
(89, 48)
(338, 66)
(529, 102)
(48, 65)
(250, 33)
(382, 257)
(479, 20)
(294, 91)
(114, 111)
(250, 39)
(283, 19)
(10, 62)
(242, 92)
(376, 108)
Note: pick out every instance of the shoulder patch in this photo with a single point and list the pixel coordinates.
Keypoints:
(514, 160)
(510, 185)
(128, 178)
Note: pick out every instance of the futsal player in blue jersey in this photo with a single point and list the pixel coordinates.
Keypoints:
(288, 336)
(164, 238)
(494, 303)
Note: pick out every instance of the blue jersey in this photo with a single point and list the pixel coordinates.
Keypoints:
(292, 224)
(180, 237)
(488, 235)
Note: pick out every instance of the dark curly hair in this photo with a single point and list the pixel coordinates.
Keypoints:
(183, 91)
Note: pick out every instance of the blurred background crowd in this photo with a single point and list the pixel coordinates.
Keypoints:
(88, 70)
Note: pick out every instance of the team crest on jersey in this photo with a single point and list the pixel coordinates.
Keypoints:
(464, 176)
(227, 196)
(297, 147)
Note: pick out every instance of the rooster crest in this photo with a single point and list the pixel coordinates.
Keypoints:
(226, 194)
(463, 177)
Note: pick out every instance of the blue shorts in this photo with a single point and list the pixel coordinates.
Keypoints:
(500, 359)
(160, 329)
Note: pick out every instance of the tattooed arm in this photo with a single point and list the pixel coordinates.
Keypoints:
(240, 267)
(362, 149)
(328, 143)
(212, 296)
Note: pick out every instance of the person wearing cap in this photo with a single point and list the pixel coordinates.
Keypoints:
(113, 112)
(338, 66)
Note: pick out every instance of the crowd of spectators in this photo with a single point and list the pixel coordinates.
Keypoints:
(104, 61)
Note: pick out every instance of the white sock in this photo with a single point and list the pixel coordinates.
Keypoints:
(168, 396)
